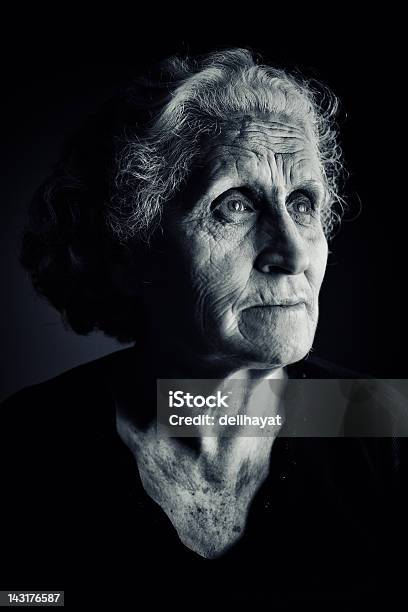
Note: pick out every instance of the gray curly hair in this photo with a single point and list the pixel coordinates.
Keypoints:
(201, 96)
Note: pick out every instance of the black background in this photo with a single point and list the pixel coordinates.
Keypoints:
(54, 77)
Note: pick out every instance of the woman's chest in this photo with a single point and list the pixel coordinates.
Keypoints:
(206, 499)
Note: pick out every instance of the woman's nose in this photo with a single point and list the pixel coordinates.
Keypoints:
(285, 251)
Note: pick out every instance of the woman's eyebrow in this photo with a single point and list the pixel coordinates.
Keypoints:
(313, 184)
(310, 186)
(250, 191)
(259, 193)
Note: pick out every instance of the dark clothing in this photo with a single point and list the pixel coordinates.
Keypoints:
(327, 525)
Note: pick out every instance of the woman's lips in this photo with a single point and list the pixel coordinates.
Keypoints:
(283, 304)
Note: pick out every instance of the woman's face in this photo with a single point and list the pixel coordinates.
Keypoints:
(245, 252)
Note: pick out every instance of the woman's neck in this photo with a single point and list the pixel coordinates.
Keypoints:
(255, 392)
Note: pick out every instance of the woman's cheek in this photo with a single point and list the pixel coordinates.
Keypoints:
(218, 291)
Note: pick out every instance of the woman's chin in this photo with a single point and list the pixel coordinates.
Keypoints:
(267, 351)
(281, 342)
(279, 356)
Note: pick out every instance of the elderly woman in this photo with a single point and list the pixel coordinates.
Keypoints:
(191, 217)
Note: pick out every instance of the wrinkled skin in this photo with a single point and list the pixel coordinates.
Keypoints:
(242, 242)
(231, 288)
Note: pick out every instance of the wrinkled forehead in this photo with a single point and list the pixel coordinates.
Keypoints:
(273, 150)
(284, 133)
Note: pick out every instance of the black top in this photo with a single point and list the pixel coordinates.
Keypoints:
(327, 524)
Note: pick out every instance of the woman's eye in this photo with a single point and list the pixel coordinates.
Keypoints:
(302, 209)
(234, 209)
(237, 206)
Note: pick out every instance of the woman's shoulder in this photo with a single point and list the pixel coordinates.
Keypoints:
(371, 407)
(88, 379)
(66, 420)
(79, 396)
